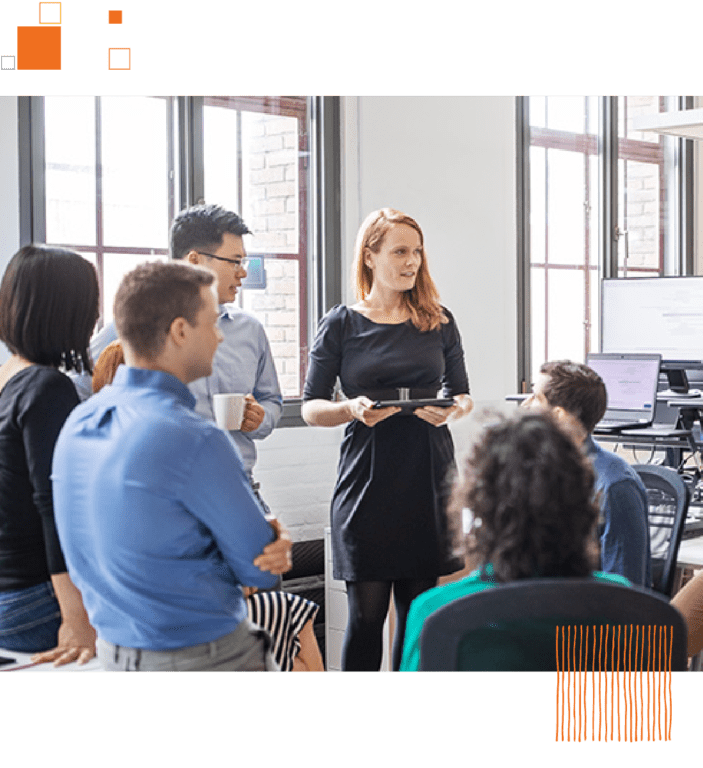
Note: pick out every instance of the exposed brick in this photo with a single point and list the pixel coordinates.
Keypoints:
(266, 176)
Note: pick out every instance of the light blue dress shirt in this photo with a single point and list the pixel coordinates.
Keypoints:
(156, 517)
(243, 363)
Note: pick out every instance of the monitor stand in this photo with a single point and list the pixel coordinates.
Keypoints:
(678, 385)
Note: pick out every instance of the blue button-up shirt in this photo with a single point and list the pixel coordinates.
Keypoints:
(624, 529)
(156, 516)
(243, 363)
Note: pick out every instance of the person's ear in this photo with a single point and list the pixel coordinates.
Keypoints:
(178, 332)
(193, 257)
(367, 258)
(560, 414)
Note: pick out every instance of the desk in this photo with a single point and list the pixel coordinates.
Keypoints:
(24, 659)
(691, 553)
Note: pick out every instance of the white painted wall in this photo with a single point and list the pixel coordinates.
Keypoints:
(449, 163)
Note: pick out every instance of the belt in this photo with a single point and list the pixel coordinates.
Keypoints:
(402, 393)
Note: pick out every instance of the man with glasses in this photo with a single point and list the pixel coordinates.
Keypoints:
(211, 237)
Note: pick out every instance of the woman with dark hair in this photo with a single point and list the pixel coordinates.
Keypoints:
(529, 489)
(389, 529)
(48, 308)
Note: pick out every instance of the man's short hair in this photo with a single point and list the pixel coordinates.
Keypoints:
(578, 389)
(203, 226)
(151, 297)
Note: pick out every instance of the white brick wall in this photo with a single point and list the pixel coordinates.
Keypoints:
(297, 467)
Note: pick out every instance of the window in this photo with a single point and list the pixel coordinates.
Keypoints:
(109, 189)
(597, 198)
(256, 161)
(108, 182)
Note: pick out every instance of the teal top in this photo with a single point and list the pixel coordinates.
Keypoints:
(428, 602)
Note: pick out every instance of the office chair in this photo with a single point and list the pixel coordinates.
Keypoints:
(513, 627)
(668, 497)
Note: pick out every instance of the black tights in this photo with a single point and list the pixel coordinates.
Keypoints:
(368, 606)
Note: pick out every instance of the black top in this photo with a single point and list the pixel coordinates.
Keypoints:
(34, 404)
(388, 508)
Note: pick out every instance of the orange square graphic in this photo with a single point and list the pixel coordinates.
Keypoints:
(50, 23)
(119, 58)
(38, 47)
(114, 17)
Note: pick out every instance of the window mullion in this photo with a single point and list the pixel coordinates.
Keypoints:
(608, 157)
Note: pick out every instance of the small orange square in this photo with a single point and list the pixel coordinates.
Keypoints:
(119, 58)
(51, 13)
(114, 17)
(38, 47)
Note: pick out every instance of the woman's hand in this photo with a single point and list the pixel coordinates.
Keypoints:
(432, 414)
(361, 409)
(76, 639)
(76, 642)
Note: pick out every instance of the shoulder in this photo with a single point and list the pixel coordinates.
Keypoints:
(613, 578)
(338, 314)
(612, 469)
(449, 329)
(43, 381)
(433, 599)
(335, 320)
(243, 318)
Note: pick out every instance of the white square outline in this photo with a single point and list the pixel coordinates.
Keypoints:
(110, 59)
(3, 59)
(49, 11)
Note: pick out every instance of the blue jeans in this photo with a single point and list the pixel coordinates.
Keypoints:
(29, 619)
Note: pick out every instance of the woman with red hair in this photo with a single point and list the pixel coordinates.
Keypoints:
(389, 527)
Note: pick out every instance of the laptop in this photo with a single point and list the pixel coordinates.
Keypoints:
(631, 383)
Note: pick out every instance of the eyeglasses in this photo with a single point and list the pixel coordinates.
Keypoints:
(237, 262)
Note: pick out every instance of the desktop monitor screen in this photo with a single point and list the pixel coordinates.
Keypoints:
(661, 315)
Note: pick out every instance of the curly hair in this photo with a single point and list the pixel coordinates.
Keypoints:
(530, 489)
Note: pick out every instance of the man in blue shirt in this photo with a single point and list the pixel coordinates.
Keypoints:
(156, 516)
(576, 393)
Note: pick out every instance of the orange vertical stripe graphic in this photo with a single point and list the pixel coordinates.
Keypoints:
(636, 655)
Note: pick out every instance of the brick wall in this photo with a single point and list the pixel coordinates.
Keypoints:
(271, 210)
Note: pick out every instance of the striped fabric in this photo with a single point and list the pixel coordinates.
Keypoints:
(282, 615)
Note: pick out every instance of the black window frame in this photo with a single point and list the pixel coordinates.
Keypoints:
(608, 219)
(324, 282)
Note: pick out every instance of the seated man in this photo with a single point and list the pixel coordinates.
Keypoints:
(576, 394)
(157, 518)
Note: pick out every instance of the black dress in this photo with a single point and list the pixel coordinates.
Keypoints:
(388, 508)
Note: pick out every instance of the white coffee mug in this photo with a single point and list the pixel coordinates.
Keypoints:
(229, 410)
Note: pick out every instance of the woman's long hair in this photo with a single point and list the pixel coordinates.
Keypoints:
(530, 489)
(422, 300)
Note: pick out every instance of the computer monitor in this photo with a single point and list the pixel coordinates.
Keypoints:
(661, 315)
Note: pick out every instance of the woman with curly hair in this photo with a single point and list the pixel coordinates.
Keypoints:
(529, 489)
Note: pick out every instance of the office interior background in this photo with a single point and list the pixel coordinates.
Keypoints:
(525, 203)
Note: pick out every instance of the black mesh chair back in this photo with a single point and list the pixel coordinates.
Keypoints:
(533, 624)
(668, 497)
